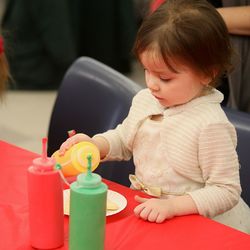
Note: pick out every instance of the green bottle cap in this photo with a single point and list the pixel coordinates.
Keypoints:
(89, 179)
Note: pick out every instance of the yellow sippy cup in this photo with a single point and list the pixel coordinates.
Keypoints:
(74, 161)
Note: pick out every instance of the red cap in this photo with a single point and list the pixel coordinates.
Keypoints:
(1, 45)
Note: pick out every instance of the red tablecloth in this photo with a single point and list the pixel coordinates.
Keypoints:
(123, 231)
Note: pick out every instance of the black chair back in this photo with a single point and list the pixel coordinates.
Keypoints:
(92, 99)
(241, 121)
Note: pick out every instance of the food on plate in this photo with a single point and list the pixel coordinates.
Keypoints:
(111, 205)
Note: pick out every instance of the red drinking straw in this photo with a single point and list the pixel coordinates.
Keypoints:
(44, 152)
(71, 132)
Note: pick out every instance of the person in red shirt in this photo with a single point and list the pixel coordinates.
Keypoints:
(155, 4)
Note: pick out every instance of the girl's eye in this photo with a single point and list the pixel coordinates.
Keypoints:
(165, 79)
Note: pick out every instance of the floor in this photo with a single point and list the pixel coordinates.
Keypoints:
(25, 115)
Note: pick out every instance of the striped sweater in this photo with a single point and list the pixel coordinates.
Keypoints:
(198, 141)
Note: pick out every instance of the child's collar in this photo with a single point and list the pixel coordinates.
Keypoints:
(212, 96)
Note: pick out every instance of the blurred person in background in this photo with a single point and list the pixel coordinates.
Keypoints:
(4, 68)
(236, 14)
(41, 41)
(2, 8)
(105, 31)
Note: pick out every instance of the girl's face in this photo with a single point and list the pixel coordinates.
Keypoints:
(168, 87)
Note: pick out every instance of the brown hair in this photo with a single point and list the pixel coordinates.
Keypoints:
(190, 32)
(4, 73)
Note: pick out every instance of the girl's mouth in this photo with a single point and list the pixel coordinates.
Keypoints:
(158, 98)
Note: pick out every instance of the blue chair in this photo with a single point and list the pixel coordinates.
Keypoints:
(92, 99)
(241, 121)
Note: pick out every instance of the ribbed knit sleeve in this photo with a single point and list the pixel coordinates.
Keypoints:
(220, 170)
(118, 146)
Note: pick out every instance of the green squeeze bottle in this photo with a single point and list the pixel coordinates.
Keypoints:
(88, 197)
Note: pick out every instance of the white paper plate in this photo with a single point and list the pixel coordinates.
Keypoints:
(119, 199)
(113, 196)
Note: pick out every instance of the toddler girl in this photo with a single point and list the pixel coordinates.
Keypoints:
(181, 140)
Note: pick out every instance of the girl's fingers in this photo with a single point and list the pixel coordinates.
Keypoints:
(140, 199)
(153, 216)
(64, 147)
(138, 209)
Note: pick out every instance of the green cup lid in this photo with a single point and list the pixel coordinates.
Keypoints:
(89, 180)
(86, 181)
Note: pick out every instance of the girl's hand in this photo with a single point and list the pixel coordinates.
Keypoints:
(74, 140)
(153, 209)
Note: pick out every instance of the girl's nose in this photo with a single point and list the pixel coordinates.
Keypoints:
(152, 82)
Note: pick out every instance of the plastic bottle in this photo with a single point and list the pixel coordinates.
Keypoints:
(45, 192)
(88, 196)
(74, 161)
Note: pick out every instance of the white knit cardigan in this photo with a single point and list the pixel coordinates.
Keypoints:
(199, 143)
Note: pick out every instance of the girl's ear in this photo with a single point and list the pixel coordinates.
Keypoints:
(207, 79)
